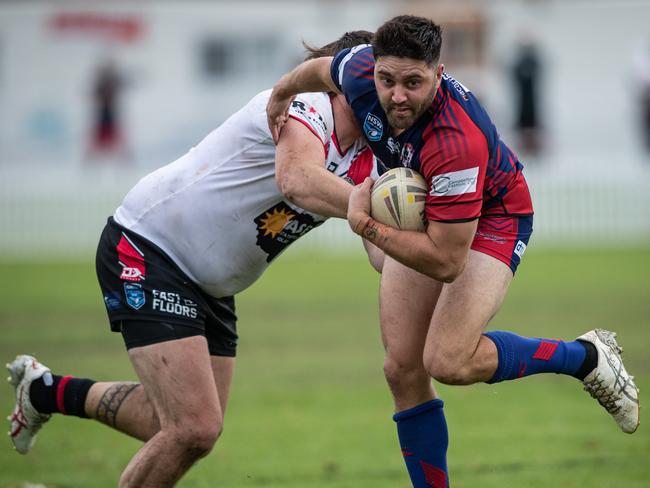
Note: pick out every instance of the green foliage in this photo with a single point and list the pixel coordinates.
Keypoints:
(309, 407)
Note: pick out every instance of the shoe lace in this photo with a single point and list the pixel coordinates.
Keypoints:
(607, 397)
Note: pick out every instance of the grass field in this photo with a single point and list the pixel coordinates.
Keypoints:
(309, 407)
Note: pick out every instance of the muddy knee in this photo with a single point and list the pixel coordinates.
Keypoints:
(197, 438)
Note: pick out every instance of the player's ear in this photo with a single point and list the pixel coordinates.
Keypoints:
(440, 69)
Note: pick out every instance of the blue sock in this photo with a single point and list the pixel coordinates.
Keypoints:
(423, 437)
(521, 356)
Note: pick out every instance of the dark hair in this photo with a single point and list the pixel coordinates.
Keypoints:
(408, 36)
(349, 39)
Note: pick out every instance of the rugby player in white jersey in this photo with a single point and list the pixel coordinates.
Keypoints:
(186, 239)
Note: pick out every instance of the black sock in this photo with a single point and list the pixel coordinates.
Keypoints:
(64, 394)
(590, 362)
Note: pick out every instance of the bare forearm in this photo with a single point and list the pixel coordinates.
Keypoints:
(317, 190)
(413, 249)
(310, 76)
(321, 207)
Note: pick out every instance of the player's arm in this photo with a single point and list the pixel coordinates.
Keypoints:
(440, 252)
(301, 174)
(310, 76)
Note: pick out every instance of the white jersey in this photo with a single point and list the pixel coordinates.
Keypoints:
(217, 211)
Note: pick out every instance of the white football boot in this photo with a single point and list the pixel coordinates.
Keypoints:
(25, 420)
(610, 383)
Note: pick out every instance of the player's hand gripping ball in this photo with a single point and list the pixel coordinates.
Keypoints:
(397, 199)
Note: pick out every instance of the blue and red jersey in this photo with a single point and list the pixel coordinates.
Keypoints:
(454, 145)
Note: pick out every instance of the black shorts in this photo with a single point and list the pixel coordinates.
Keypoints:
(149, 299)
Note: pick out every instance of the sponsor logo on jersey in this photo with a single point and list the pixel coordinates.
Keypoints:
(393, 146)
(112, 300)
(354, 165)
(131, 259)
(407, 154)
(310, 115)
(131, 274)
(173, 303)
(373, 127)
(332, 166)
(458, 86)
(134, 295)
(454, 182)
(491, 237)
(279, 226)
(520, 249)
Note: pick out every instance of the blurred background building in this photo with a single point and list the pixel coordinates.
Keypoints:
(95, 94)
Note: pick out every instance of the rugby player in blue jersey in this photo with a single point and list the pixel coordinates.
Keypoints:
(440, 288)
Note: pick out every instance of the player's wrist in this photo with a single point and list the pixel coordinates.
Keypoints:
(282, 88)
(358, 221)
(371, 230)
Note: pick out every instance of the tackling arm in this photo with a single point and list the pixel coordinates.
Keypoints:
(440, 252)
(301, 174)
(310, 76)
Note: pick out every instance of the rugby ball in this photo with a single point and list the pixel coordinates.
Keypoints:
(397, 199)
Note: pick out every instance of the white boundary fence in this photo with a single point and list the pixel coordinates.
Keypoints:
(60, 214)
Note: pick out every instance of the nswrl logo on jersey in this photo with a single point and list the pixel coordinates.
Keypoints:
(373, 127)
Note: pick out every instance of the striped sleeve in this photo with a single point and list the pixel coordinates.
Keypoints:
(352, 71)
(454, 165)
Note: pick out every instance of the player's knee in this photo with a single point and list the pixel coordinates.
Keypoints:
(444, 369)
(402, 375)
(198, 438)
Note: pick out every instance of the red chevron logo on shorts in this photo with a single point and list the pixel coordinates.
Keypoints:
(131, 259)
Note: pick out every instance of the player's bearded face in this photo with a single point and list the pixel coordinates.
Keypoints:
(406, 88)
